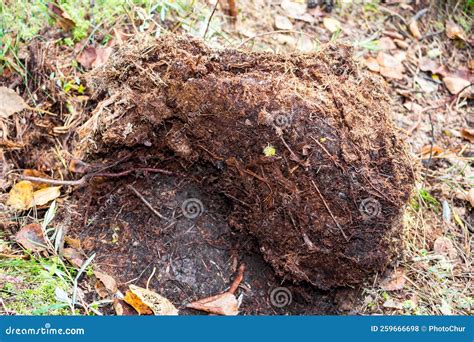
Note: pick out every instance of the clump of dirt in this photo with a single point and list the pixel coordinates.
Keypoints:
(301, 147)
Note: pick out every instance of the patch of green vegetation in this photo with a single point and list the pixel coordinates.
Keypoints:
(22, 20)
(424, 197)
(28, 286)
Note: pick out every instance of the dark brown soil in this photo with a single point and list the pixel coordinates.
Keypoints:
(324, 210)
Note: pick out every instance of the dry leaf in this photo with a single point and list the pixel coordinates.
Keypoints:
(414, 29)
(223, 304)
(371, 64)
(401, 44)
(63, 20)
(387, 44)
(137, 303)
(444, 246)
(395, 282)
(21, 195)
(283, 23)
(292, 9)
(10, 102)
(92, 57)
(73, 256)
(331, 24)
(78, 166)
(427, 64)
(45, 195)
(109, 282)
(470, 197)
(390, 66)
(31, 237)
(454, 31)
(147, 302)
(427, 150)
(123, 309)
(74, 243)
(457, 84)
(468, 134)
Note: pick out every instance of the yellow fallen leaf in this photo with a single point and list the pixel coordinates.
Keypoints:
(21, 195)
(331, 24)
(45, 195)
(147, 302)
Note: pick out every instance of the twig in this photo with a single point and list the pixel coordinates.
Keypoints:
(139, 195)
(149, 278)
(210, 18)
(329, 210)
(86, 178)
(238, 279)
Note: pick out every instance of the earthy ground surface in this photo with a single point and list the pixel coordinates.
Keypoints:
(187, 258)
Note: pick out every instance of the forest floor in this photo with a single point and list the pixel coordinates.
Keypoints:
(88, 248)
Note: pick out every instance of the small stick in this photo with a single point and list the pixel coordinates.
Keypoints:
(139, 195)
(210, 18)
(238, 279)
(149, 278)
(329, 210)
(85, 179)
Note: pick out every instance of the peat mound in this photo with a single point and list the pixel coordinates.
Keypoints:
(302, 146)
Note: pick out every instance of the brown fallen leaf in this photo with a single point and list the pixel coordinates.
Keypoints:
(147, 302)
(390, 66)
(73, 243)
(395, 282)
(331, 24)
(427, 64)
(123, 309)
(74, 257)
(401, 44)
(414, 29)
(470, 197)
(282, 22)
(107, 281)
(387, 43)
(454, 31)
(21, 195)
(78, 166)
(371, 64)
(468, 134)
(92, 57)
(444, 246)
(11, 102)
(223, 304)
(457, 84)
(31, 237)
(63, 20)
(45, 195)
